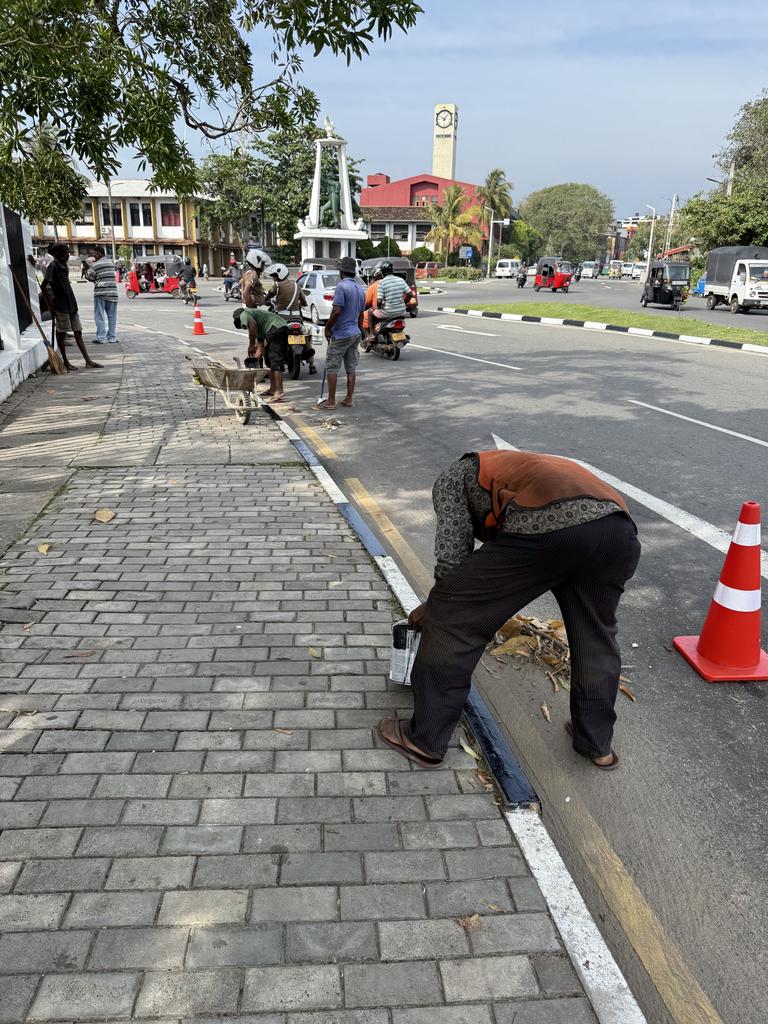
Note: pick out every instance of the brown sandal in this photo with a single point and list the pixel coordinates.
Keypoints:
(612, 764)
(413, 755)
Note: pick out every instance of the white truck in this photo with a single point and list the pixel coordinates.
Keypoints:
(737, 276)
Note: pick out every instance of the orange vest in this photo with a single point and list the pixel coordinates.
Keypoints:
(529, 481)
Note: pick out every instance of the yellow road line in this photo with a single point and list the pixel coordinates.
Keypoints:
(405, 552)
(322, 449)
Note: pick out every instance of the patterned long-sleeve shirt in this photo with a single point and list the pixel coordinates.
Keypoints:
(461, 506)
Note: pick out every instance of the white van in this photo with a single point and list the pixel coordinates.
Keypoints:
(590, 269)
(507, 268)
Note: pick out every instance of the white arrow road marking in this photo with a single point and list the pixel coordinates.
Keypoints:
(462, 330)
(700, 423)
(699, 528)
(460, 355)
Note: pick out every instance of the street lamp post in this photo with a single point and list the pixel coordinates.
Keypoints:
(111, 216)
(650, 242)
(504, 222)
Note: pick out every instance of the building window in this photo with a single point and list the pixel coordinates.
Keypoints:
(117, 215)
(422, 230)
(86, 217)
(172, 250)
(400, 232)
(146, 213)
(135, 215)
(149, 250)
(378, 231)
(170, 215)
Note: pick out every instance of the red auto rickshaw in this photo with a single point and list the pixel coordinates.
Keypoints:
(143, 278)
(553, 272)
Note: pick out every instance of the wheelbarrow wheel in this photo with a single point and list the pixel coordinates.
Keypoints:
(243, 408)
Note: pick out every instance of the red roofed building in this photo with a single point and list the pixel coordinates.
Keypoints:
(401, 209)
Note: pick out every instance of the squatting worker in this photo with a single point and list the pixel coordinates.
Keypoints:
(344, 331)
(267, 337)
(546, 524)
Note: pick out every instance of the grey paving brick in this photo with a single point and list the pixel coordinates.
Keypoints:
(305, 719)
(308, 761)
(19, 742)
(62, 740)
(374, 761)
(18, 990)
(411, 866)
(151, 741)
(111, 909)
(488, 978)
(485, 862)
(515, 933)
(334, 700)
(238, 812)
(161, 812)
(361, 837)
(307, 903)
(205, 906)
(168, 761)
(66, 875)
(291, 988)
(145, 948)
(409, 984)
(382, 902)
(151, 701)
(24, 913)
(151, 873)
(238, 761)
(462, 899)
(9, 787)
(342, 739)
(133, 785)
(84, 997)
(549, 1011)
(268, 739)
(46, 720)
(111, 720)
(285, 784)
(445, 808)
(178, 720)
(193, 993)
(331, 942)
(196, 839)
(235, 947)
(381, 808)
(320, 809)
(208, 784)
(473, 1014)
(56, 787)
(308, 868)
(422, 940)
(119, 840)
(494, 833)
(33, 952)
(82, 812)
(438, 835)
(351, 784)
(526, 894)
(337, 1017)
(221, 740)
(233, 871)
(282, 839)
(31, 842)
(97, 764)
(9, 872)
(20, 813)
(556, 975)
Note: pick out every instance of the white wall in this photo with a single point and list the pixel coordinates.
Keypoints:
(21, 354)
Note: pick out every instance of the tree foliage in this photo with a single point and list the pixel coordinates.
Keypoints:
(231, 190)
(40, 179)
(495, 196)
(125, 74)
(422, 254)
(453, 222)
(572, 219)
(718, 219)
(746, 145)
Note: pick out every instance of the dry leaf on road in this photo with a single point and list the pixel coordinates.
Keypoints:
(627, 692)
(314, 653)
(43, 548)
(520, 645)
(545, 712)
(468, 750)
(104, 515)
(284, 732)
(470, 924)
(79, 654)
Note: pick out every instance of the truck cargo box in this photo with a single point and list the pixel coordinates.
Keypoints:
(720, 262)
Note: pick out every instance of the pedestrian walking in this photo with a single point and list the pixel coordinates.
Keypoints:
(547, 524)
(61, 300)
(104, 278)
(344, 331)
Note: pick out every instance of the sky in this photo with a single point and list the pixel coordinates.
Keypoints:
(634, 98)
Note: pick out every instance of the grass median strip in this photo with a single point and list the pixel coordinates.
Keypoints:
(672, 322)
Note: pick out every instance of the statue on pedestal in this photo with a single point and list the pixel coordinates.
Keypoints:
(330, 211)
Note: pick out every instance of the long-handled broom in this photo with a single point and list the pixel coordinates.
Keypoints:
(54, 359)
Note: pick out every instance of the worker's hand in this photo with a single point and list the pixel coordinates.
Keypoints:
(251, 351)
(417, 617)
(327, 333)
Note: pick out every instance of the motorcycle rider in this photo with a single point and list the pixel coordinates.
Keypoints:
(187, 276)
(391, 295)
(232, 276)
(522, 274)
(371, 297)
(287, 298)
(253, 289)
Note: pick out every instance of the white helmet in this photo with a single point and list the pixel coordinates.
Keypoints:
(257, 259)
(278, 270)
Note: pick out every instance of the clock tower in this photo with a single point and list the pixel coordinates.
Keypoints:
(444, 128)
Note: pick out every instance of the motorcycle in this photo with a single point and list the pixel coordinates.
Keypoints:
(188, 293)
(235, 292)
(390, 339)
(521, 278)
(300, 348)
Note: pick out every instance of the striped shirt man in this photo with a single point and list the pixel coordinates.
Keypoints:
(102, 273)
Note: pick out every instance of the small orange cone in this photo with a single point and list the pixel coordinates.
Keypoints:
(198, 326)
(728, 648)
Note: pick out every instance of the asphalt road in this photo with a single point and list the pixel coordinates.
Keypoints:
(670, 851)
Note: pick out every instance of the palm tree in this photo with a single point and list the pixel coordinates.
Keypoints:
(494, 196)
(453, 223)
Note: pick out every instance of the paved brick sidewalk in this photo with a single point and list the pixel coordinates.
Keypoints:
(196, 819)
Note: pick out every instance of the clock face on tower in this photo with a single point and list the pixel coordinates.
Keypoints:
(444, 118)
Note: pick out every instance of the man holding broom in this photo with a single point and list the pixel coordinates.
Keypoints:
(63, 304)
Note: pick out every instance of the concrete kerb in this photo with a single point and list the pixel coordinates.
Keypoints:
(604, 984)
(595, 325)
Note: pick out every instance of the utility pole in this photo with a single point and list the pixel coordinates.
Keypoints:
(111, 216)
(490, 245)
(731, 176)
(650, 243)
(668, 236)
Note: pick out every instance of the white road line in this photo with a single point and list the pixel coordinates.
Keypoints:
(224, 330)
(599, 973)
(462, 330)
(700, 423)
(699, 528)
(459, 355)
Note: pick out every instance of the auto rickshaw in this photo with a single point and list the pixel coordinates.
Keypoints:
(403, 268)
(136, 282)
(614, 268)
(553, 273)
(667, 284)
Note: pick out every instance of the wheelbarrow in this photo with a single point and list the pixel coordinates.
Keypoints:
(234, 386)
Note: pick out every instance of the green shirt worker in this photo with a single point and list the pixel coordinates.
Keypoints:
(267, 337)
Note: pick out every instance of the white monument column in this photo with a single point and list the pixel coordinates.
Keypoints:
(313, 220)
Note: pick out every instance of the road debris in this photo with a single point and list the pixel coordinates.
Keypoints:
(283, 732)
(330, 423)
(44, 548)
(104, 515)
(627, 692)
(470, 924)
(545, 711)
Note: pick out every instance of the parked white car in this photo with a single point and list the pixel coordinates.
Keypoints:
(507, 268)
(638, 271)
(626, 269)
(319, 286)
(590, 269)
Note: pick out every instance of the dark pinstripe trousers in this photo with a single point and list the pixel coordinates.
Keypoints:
(584, 566)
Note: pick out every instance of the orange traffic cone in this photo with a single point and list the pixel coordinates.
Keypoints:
(198, 326)
(729, 645)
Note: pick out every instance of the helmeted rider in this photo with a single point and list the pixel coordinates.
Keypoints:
(253, 290)
(187, 275)
(232, 276)
(392, 295)
(287, 298)
(371, 295)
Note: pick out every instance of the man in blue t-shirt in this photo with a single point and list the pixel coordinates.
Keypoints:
(343, 331)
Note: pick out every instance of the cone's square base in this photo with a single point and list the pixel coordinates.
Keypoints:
(714, 673)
